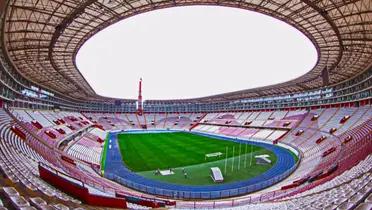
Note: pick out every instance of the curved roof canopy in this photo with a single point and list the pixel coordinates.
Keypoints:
(42, 37)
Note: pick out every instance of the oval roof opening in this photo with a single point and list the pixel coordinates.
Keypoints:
(193, 51)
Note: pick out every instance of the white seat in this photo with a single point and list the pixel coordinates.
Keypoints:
(364, 206)
(345, 206)
(60, 207)
(10, 191)
(28, 208)
(19, 201)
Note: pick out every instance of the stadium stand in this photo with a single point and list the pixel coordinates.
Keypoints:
(53, 125)
(325, 172)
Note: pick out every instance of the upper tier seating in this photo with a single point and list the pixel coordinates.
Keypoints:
(149, 121)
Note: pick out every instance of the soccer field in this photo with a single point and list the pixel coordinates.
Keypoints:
(144, 153)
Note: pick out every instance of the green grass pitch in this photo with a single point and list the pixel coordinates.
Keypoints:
(103, 155)
(146, 152)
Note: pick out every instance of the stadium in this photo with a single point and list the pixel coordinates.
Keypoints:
(301, 144)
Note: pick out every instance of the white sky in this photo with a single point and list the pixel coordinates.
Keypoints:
(194, 51)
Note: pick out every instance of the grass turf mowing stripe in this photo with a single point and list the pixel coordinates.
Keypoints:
(150, 151)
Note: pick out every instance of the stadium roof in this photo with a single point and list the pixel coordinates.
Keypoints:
(42, 37)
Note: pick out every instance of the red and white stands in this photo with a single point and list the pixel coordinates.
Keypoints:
(334, 171)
